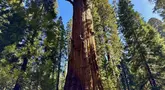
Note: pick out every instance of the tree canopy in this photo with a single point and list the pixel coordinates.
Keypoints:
(103, 46)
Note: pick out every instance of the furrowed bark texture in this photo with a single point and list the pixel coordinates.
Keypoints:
(82, 67)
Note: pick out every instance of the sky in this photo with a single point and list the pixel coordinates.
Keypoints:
(144, 7)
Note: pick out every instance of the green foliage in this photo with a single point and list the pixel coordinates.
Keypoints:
(143, 48)
(159, 7)
(12, 24)
(108, 43)
(34, 46)
(158, 25)
(32, 32)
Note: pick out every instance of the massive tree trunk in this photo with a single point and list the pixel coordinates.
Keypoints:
(82, 67)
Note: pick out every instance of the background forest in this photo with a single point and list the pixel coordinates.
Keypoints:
(35, 46)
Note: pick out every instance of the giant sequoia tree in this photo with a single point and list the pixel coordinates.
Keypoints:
(34, 47)
(82, 66)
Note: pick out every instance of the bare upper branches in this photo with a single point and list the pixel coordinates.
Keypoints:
(70, 1)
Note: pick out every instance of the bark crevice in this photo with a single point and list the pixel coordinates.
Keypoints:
(82, 67)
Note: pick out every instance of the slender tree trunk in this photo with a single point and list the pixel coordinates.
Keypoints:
(53, 70)
(82, 66)
(58, 73)
(150, 76)
(24, 64)
(114, 65)
(20, 77)
(125, 76)
(59, 62)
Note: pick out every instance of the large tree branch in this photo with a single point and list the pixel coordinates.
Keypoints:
(70, 1)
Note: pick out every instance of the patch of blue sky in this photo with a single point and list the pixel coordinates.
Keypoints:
(144, 7)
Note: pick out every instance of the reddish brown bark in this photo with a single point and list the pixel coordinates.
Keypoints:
(82, 67)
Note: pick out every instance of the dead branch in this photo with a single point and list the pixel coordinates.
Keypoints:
(70, 1)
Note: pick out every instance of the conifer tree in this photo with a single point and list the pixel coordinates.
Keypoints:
(32, 59)
(82, 66)
(159, 7)
(158, 25)
(107, 42)
(144, 47)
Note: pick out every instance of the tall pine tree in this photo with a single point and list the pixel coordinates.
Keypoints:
(107, 42)
(144, 47)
